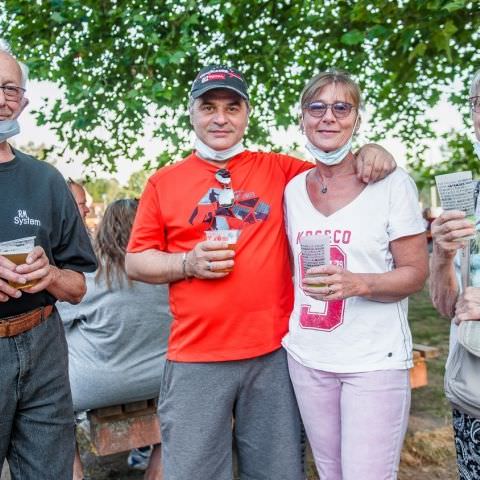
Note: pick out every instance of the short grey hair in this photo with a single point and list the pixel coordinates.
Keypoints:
(475, 85)
(5, 48)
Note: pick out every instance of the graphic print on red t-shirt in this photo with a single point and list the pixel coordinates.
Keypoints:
(247, 208)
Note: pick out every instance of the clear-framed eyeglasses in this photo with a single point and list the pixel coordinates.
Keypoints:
(12, 93)
(227, 195)
(339, 109)
(474, 104)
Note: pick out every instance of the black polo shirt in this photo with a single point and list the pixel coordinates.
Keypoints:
(35, 201)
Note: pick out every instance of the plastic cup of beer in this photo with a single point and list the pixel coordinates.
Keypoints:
(229, 236)
(315, 253)
(17, 251)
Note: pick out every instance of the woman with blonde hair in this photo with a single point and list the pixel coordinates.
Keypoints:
(349, 345)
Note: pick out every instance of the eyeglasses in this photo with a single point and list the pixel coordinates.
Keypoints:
(339, 109)
(12, 93)
(227, 195)
(475, 104)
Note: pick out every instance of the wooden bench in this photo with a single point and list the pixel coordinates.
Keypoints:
(418, 374)
(122, 427)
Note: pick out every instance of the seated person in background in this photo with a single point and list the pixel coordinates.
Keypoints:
(117, 336)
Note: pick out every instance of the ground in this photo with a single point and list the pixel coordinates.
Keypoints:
(428, 452)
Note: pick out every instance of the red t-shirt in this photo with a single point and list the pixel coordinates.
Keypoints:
(244, 314)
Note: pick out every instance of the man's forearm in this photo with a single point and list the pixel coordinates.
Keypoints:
(153, 266)
(67, 285)
(443, 283)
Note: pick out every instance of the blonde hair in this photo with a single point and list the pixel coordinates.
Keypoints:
(323, 79)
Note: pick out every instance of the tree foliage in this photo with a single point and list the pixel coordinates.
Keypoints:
(103, 190)
(122, 62)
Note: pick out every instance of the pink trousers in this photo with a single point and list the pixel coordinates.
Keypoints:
(355, 422)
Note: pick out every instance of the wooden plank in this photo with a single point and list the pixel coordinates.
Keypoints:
(426, 351)
(418, 374)
(123, 434)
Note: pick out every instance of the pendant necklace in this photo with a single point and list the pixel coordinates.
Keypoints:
(323, 185)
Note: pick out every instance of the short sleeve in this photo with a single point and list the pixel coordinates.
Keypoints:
(70, 243)
(148, 230)
(405, 216)
(293, 166)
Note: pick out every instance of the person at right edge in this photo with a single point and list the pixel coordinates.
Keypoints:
(449, 299)
(224, 357)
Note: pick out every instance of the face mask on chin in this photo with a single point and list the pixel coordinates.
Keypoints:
(8, 128)
(208, 153)
(329, 158)
(334, 157)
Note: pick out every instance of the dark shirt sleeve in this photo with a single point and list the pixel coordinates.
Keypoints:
(71, 245)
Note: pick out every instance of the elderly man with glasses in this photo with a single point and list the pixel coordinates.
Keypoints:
(230, 307)
(448, 230)
(36, 413)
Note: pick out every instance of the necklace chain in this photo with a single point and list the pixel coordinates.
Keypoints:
(323, 185)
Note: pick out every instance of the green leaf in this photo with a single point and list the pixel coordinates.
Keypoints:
(353, 37)
(454, 6)
(57, 17)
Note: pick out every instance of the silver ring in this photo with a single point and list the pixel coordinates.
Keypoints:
(330, 291)
(209, 266)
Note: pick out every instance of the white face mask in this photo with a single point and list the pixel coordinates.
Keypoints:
(208, 153)
(476, 147)
(334, 157)
(8, 128)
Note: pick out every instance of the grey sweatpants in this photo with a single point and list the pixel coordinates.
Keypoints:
(197, 404)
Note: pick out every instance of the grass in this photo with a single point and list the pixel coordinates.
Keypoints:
(429, 328)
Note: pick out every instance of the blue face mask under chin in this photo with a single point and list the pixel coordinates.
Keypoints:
(330, 158)
(8, 128)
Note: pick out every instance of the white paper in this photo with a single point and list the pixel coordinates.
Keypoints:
(456, 191)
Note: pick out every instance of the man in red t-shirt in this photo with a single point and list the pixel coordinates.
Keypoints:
(225, 360)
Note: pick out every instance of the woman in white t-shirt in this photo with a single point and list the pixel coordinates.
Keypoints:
(349, 342)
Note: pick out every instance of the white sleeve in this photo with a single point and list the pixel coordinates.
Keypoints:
(405, 217)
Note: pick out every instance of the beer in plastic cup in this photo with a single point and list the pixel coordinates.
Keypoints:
(229, 236)
(17, 251)
(315, 253)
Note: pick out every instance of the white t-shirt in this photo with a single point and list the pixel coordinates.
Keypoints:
(356, 334)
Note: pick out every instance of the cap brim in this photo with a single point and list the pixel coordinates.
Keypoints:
(214, 86)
